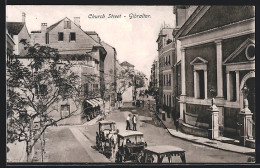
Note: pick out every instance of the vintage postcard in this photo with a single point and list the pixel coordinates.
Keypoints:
(130, 84)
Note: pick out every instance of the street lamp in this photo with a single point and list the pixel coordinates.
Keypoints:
(245, 91)
(213, 95)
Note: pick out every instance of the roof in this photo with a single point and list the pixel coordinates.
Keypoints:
(129, 133)
(160, 149)
(36, 31)
(54, 25)
(125, 63)
(91, 32)
(14, 28)
(106, 122)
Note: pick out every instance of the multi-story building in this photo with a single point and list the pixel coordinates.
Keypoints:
(84, 50)
(182, 13)
(165, 55)
(217, 53)
(110, 73)
(18, 31)
(154, 77)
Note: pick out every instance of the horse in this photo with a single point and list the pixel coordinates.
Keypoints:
(113, 144)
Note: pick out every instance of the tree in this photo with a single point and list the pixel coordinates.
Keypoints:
(124, 79)
(35, 82)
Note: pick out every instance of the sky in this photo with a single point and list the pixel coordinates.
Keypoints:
(134, 39)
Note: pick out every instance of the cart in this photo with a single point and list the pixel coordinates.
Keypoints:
(158, 153)
(130, 146)
(106, 129)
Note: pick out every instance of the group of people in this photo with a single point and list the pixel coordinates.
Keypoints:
(134, 121)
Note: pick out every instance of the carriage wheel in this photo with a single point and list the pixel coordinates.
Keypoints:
(139, 158)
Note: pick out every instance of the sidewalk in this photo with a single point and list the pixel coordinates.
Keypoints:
(219, 143)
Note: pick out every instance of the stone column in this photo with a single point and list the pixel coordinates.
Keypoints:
(183, 86)
(245, 123)
(183, 72)
(206, 84)
(228, 86)
(219, 69)
(213, 131)
(237, 86)
(195, 84)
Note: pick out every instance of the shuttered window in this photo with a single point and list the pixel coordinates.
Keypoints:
(67, 25)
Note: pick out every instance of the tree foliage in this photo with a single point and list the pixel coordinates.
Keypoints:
(35, 82)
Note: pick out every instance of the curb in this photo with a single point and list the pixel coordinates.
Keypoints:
(200, 143)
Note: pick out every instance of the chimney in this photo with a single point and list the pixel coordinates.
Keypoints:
(77, 21)
(43, 27)
(23, 17)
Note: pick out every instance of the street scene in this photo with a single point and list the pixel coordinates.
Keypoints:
(130, 84)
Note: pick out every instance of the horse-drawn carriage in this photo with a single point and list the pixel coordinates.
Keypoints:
(156, 154)
(105, 136)
(130, 146)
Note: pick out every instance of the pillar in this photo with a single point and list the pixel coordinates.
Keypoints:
(183, 72)
(228, 86)
(237, 86)
(206, 84)
(195, 84)
(245, 117)
(213, 131)
(219, 69)
(183, 86)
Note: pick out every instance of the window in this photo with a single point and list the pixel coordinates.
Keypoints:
(169, 60)
(67, 25)
(95, 87)
(60, 36)
(201, 84)
(72, 36)
(232, 96)
(200, 77)
(163, 80)
(64, 110)
(86, 89)
(47, 38)
(169, 80)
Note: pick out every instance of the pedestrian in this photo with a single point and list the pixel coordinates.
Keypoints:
(134, 123)
(128, 122)
(177, 124)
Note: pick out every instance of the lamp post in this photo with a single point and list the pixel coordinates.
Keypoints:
(213, 131)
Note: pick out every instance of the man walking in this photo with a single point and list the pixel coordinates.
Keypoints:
(134, 123)
(128, 122)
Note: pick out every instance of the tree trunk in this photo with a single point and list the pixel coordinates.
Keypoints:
(27, 151)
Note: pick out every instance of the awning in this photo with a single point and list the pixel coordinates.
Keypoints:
(94, 102)
(99, 102)
(91, 103)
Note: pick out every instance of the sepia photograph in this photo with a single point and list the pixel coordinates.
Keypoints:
(117, 84)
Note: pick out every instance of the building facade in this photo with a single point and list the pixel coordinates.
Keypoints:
(217, 52)
(110, 73)
(87, 55)
(165, 58)
(154, 77)
(18, 31)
